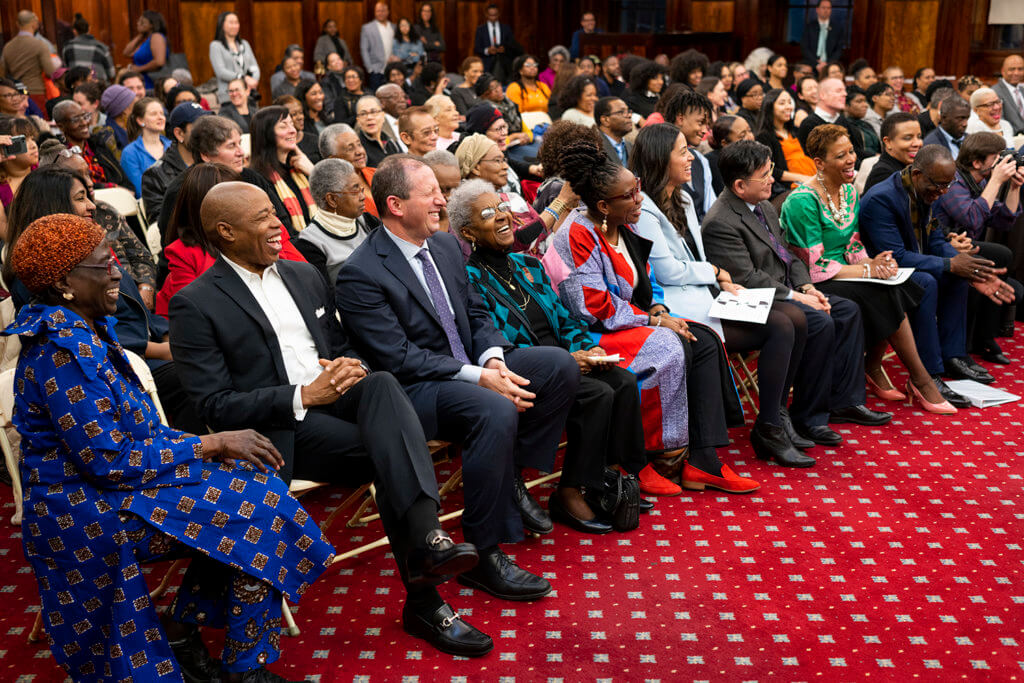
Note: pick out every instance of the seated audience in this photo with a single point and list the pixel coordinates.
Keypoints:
(742, 234)
(98, 149)
(307, 140)
(987, 116)
(604, 426)
(282, 362)
(856, 112)
(311, 96)
(1010, 91)
(725, 131)
(148, 144)
(70, 353)
(526, 91)
(688, 67)
(340, 141)
(291, 69)
(116, 102)
(393, 101)
(806, 95)
(88, 96)
(668, 221)
(966, 85)
(881, 101)
(445, 166)
(750, 93)
(333, 80)
(431, 81)
(923, 78)
(277, 157)
(448, 119)
(405, 299)
(614, 120)
(893, 76)
(831, 103)
(929, 116)
(777, 71)
(776, 130)
(238, 107)
(820, 220)
(464, 94)
(157, 178)
(893, 214)
(370, 118)
(15, 168)
(133, 81)
(557, 57)
(485, 119)
(691, 114)
(577, 101)
(407, 46)
(611, 74)
(599, 265)
(418, 131)
(985, 196)
(954, 113)
(646, 82)
(345, 101)
(901, 141)
(341, 223)
(521, 145)
(863, 75)
(712, 88)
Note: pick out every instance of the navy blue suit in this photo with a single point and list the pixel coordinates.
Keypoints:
(392, 322)
(940, 321)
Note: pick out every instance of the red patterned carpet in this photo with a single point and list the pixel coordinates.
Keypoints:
(898, 556)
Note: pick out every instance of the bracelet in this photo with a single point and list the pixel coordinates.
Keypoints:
(717, 270)
(558, 206)
(867, 270)
(146, 286)
(554, 214)
(658, 323)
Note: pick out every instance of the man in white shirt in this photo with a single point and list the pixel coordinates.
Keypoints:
(393, 102)
(831, 103)
(259, 346)
(1011, 92)
(376, 39)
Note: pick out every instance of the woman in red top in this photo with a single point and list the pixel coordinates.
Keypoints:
(188, 253)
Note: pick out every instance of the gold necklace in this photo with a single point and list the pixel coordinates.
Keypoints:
(511, 286)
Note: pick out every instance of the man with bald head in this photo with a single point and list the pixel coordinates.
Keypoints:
(831, 103)
(26, 58)
(260, 345)
(1010, 89)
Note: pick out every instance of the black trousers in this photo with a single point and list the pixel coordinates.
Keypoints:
(711, 396)
(370, 433)
(605, 427)
(984, 316)
(831, 374)
(496, 438)
(181, 412)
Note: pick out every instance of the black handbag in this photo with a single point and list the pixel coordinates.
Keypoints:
(618, 501)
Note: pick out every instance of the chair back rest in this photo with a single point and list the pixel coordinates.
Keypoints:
(10, 346)
(140, 368)
(121, 199)
(154, 239)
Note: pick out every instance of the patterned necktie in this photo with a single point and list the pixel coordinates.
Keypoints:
(441, 306)
(780, 251)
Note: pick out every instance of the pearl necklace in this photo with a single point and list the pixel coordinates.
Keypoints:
(839, 215)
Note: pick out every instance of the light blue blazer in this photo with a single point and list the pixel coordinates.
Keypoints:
(686, 277)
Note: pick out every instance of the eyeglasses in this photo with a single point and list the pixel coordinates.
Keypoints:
(633, 194)
(503, 129)
(79, 118)
(13, 95)
(495, 160)
(370, 112)
(489, 213)
(621, 112)
(70, 151)
(110, 266)
(765, 178)
(358, 190)
(941, 187)
(532, 65)
(994, 103)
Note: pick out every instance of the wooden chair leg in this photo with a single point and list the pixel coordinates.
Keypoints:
(345, 505)
(36, 634)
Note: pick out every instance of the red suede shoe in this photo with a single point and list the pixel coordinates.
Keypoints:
(730, 482)
(653, 484)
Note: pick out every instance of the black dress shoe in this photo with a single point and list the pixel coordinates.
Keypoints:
(440, 559)
(445, 630)
(771, 443)
(978, 368)
(960, 368)
(794, 438)
(955, 399)
(587, 526)
(535, 519)
(997, 357)
(860, 415)
(498, 575)
(819, 434)
(194, 660)
(645, 505)
(1006, 329)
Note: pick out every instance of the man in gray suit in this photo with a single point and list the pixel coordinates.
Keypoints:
(376, 39)
(613, 120)
(1011, 92)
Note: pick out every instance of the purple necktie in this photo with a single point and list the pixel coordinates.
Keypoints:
(441, 306)
(780, 250)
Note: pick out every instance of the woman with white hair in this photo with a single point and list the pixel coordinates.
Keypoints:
(757, 61)
(557, 56)
(987, 116)
(341, 224)
(448, 118)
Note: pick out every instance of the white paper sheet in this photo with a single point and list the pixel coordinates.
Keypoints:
(749, 306)
(981, 395)
(901, 276)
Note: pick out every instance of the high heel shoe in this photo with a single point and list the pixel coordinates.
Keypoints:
(944, 408)
(893, 394)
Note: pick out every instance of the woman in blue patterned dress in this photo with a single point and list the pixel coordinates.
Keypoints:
(107, 487)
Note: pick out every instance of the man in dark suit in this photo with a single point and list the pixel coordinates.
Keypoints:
(742, 234)
(1010, 88)
(405, 298)
(258, 345)
(813, 48)
(896, 215)
(830, 107)
(953, 115)
(613, 120)
(495, 44)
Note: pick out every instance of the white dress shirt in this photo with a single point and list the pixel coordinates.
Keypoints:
(1016, 94)
(829, 118)
(393, 122)
(468, 373)
(387, 36)
(298, 350)
(494, 31)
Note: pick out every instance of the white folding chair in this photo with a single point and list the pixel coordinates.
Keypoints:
(146, 377)
(247, 145)
(121, 199)
(863, 172)
(154, 240)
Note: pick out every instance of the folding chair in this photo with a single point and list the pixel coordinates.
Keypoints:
(154, 240)
(745, 378)
(121, 199)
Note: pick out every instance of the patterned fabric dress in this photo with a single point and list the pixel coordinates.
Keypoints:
(825, 245)
(107, 486)
(595, 283)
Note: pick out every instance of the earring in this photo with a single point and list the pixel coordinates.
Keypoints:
(68, 296)
(604, 223)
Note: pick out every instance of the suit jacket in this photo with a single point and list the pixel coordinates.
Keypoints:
(610, 150)
(392, 319)
(735, 240)
(228, 355)
(885, 225)
(371, 48)
(500, 65)
(833, 42)
(1010, 111)
(937, 138)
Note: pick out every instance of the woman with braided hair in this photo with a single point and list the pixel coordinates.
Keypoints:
(599, 266)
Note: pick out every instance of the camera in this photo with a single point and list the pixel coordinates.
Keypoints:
(1017, 156)
(17, 146)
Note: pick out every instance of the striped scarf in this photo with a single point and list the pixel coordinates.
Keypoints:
(290, 201)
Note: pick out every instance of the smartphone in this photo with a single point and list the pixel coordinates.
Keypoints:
(17, 146)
